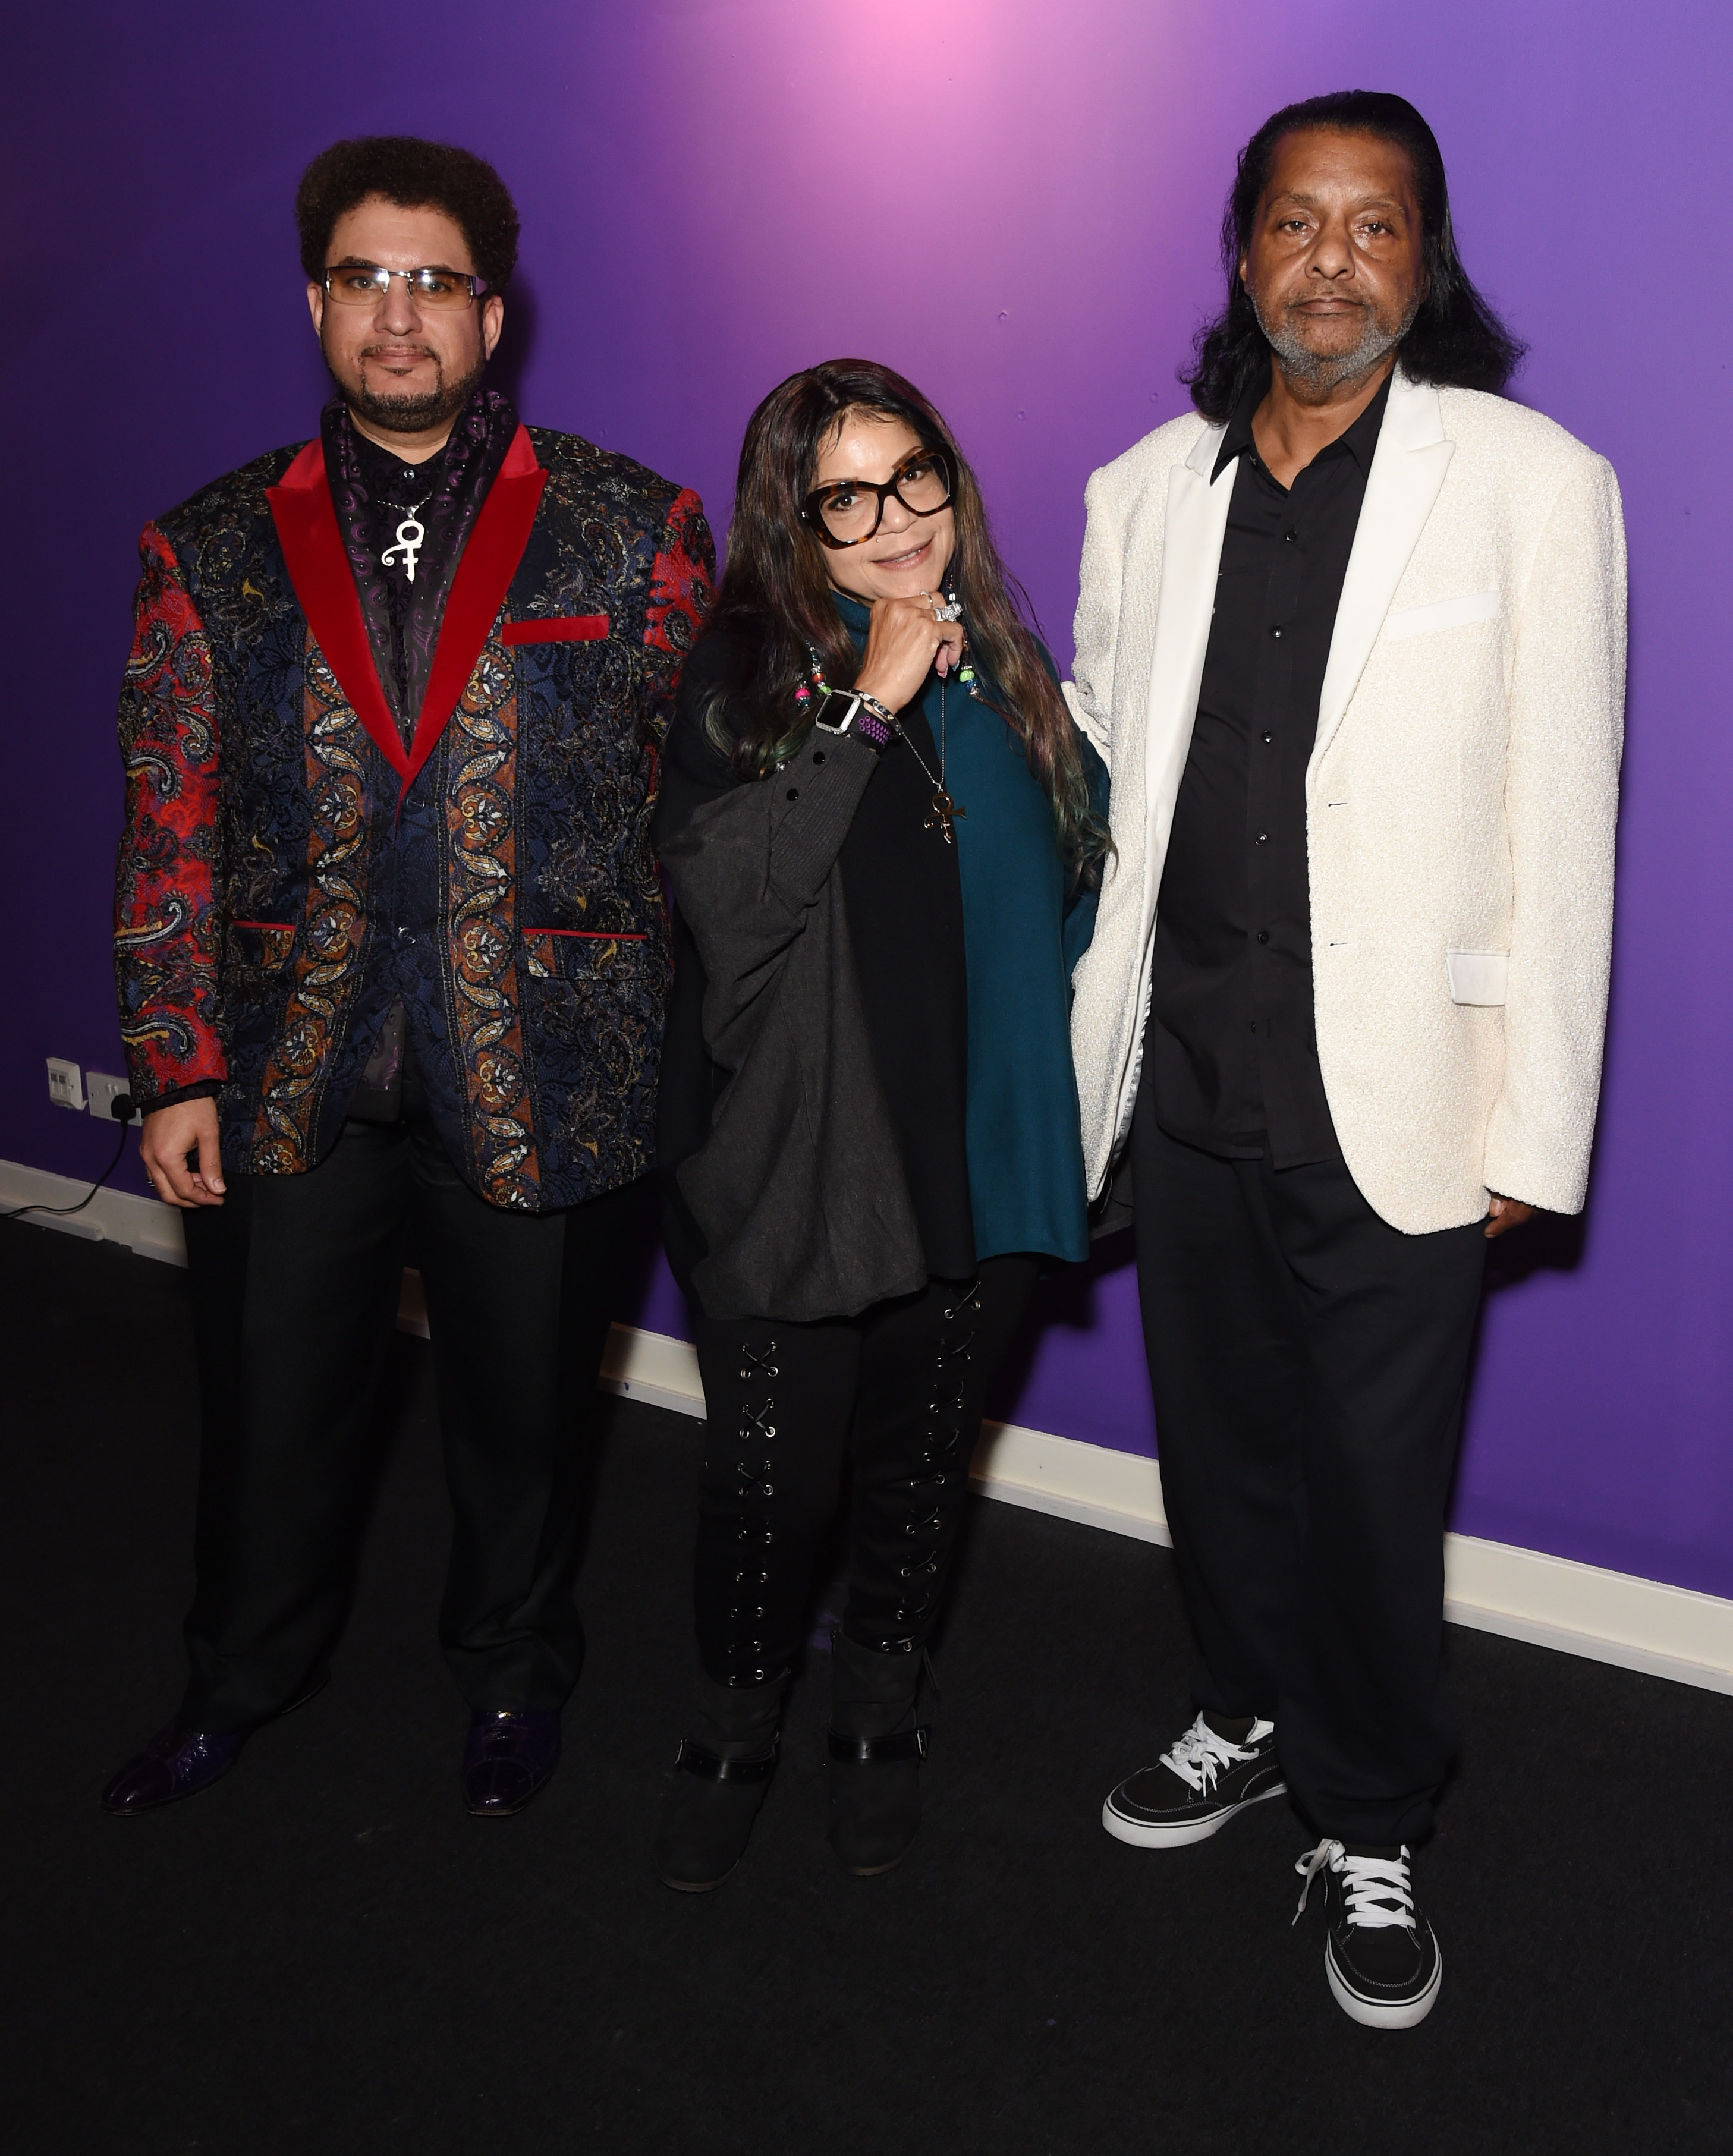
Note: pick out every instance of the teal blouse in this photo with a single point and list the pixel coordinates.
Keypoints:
(1025, 926)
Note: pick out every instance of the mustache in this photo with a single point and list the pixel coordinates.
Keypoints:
(413, 352)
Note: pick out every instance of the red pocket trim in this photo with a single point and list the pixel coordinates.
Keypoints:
(595, 935)
(262, 924)
(559, 629)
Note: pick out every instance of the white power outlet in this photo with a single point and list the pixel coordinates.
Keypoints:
(102, 1090)
(66, 1084)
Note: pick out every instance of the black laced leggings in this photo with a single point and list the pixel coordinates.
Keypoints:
(901, 1387)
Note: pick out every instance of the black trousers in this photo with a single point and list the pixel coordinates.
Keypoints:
(1308, 1364)
(900, 1389)
(294, 1287)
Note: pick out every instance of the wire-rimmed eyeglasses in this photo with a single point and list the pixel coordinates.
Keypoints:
(365, 283)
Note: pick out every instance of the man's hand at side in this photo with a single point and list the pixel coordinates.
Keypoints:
(180, 1152)
(1503, 1214)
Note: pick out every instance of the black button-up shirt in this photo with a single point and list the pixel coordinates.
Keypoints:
(1232, 1042)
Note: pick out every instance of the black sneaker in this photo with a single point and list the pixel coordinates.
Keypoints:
(1383, 1963)
(1196, 1788)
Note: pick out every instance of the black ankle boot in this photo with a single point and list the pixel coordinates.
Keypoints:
(721, 1774)
(876, 1747)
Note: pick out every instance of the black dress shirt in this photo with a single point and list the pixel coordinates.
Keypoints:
(1232, 1044)
(372, 492)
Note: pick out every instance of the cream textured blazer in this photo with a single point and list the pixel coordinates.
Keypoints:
(1460, 800)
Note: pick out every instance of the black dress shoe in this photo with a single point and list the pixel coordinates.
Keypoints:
(179, 1761)
(508, 1758)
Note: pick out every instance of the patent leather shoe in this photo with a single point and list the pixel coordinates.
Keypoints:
(507, 1759)
(179, 1761)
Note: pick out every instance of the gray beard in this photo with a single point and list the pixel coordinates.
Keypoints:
(416, 415)
(1323, 371)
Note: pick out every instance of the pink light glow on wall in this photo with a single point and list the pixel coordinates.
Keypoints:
(1022, 216)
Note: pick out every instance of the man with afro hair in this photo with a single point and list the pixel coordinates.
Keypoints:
(391, 954)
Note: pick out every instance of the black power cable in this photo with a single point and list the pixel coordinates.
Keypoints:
(123, 1111)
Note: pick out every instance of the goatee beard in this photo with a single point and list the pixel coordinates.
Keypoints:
(1321, 371)
(422, 414)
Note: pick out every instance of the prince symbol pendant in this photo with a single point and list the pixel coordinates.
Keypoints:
(944, 813)
(410, 535)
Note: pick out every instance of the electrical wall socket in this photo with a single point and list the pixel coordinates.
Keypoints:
(102, 1090)
(66, 1084)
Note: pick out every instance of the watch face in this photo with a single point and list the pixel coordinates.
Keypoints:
(842, 725)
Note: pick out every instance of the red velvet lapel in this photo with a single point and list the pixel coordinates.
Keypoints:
(478, 590)
(324, 584)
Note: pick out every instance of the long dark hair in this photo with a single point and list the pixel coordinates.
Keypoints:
(1456, 340)
(776, 594)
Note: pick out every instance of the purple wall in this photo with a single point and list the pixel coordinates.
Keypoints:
(1023, 220)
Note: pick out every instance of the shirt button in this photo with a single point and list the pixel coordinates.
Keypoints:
(1290, 536)
(793, 793)
(1262, 839)
(1266, 738)
(1263, 936)
(1277, 634)
(818, 756)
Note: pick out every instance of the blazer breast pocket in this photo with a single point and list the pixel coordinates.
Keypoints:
(557, 629)
(1477, 977)
(1442, 614)
(260, 946)
(585, 954)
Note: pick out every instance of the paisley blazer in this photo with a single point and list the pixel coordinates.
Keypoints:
(290, 866)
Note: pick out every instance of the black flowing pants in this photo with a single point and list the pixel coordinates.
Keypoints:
(295, 1285)
(1308, 1363)
(900, 1388)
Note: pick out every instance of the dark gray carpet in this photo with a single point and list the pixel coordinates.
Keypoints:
(324, 1955)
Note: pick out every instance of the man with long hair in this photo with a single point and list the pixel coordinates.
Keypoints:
(1351, 639)
(392, 957)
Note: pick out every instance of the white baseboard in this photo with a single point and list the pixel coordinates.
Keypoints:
(1493, 1587)
(143, 1224)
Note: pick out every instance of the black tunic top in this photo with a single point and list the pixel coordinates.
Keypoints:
(904, 904)
(1232, 1043)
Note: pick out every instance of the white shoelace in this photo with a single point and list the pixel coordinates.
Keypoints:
(1376, 1891)
(1200, 1754)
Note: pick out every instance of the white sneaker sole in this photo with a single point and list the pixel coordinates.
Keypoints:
(1372, 2013)
(1142, 1836)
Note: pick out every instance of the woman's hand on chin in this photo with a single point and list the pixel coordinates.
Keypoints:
(903, 644)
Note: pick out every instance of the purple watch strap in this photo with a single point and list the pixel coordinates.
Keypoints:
(879, 728)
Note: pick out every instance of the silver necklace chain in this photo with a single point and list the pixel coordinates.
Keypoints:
(945, 811)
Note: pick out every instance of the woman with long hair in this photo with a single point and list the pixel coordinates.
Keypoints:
(883, 832)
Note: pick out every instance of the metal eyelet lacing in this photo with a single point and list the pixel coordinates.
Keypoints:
(754, 1470)
(938, 1469)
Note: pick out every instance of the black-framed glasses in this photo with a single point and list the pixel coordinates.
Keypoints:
(851, 510)
(365, 283)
